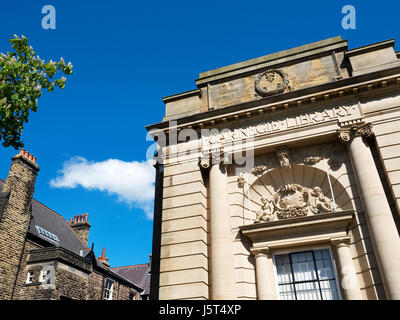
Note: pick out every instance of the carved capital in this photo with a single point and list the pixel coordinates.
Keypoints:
(340, 241)
(347, 133)
(261, 252)
(204, 162)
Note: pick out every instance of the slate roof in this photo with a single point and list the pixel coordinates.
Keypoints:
(138, 274)
(51, 221)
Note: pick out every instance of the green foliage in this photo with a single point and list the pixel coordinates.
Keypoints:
(23, 75)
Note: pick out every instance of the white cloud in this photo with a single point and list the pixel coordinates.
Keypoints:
(132, 182)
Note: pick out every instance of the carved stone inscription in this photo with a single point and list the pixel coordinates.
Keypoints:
(274, 126)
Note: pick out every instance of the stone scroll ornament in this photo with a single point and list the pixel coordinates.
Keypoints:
(293, 201)
(271, 82)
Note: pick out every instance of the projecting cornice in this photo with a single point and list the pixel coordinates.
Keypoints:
(353, 86)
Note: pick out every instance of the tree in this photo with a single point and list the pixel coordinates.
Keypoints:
(23, 75)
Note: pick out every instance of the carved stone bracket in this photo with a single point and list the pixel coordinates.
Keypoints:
(347, 133)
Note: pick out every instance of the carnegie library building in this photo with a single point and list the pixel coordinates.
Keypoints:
(279, 178)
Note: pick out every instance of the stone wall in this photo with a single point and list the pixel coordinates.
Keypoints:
(184, 244)
(15, 220)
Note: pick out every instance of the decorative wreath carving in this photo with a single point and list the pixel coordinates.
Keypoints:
(270, 77)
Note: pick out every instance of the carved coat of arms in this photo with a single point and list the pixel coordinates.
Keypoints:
(291, 201)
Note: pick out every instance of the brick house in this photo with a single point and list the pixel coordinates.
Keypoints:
(44, 257)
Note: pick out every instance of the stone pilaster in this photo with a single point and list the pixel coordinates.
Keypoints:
(381, 226)
(15, 219)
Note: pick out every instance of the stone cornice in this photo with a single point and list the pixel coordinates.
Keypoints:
(310, 229)
(349, 87)
(253, 65)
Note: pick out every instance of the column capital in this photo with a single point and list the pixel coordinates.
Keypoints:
(261, 252)
(340, 241)
(348, 132)
(218, 157)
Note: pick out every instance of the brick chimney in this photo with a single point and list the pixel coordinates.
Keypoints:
(103, 258)
(81, 227)
(15, 218)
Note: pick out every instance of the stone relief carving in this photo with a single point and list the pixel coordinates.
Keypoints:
(283, 157)
(259, 170)
(292, 201)
(310, 161)
(271, 82)
(312, 157)
(240, 180)
(318, 202)
(301, 156)
(266, 212)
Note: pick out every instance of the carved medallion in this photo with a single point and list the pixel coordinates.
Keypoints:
(271, 82)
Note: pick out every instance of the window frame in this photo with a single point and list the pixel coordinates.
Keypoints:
(108, 291)
(28, 276)
(301, 250)
(44, 272)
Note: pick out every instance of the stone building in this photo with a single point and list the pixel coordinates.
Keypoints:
(279, 178)
(44, 257)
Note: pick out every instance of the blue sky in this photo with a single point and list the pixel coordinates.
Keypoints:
(127, 55)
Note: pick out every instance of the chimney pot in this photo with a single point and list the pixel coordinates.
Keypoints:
(30, 157)
(22, 151)
(34, 159)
